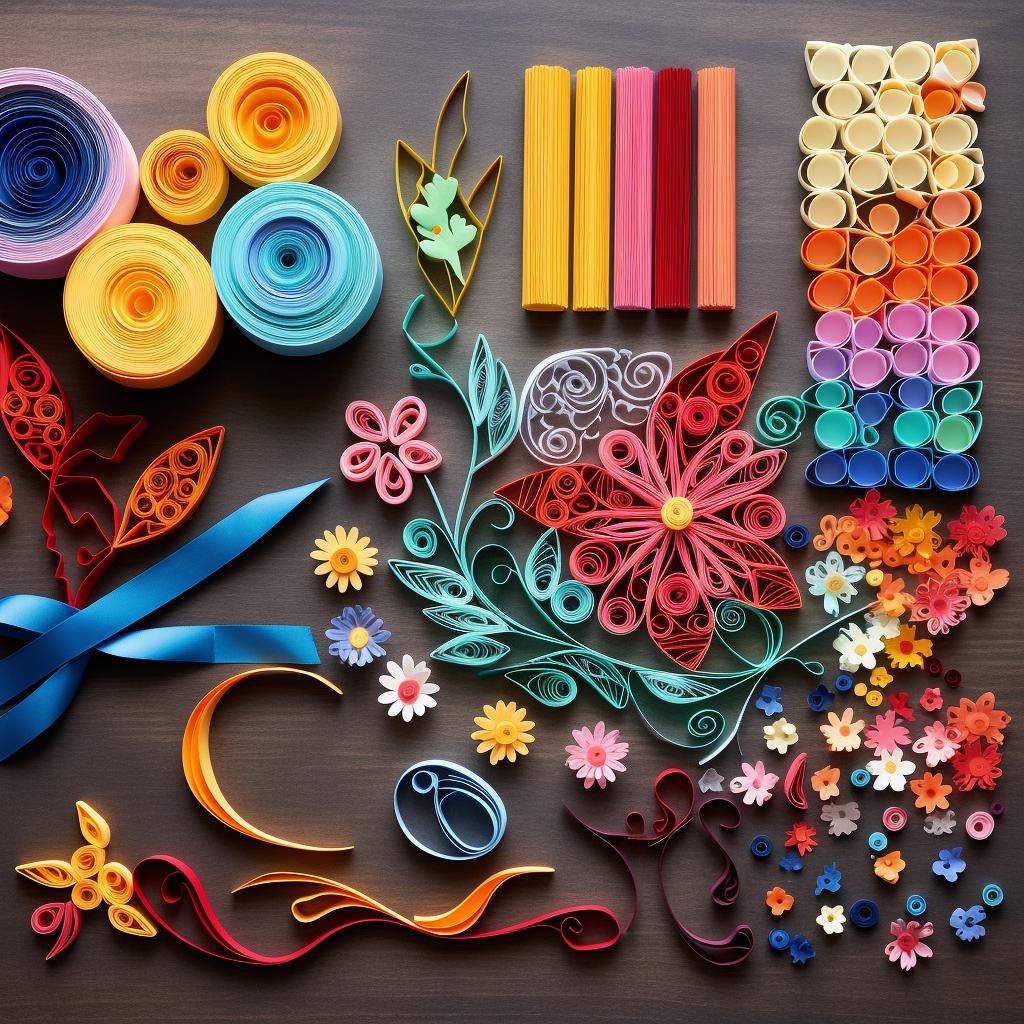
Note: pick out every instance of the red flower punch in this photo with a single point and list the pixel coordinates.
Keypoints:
(672, 526)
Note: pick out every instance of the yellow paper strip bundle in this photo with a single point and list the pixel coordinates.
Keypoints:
(183, 176)
(140, 303)
(546, 189)
(273, 117)
(591, 223)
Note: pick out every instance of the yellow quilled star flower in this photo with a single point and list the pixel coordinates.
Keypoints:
(504, 731)
(344, 557)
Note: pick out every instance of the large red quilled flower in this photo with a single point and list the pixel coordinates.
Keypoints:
(675, 523)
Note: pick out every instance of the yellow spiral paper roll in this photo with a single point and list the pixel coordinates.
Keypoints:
(141, 305)
(273, 117)
(183, 176)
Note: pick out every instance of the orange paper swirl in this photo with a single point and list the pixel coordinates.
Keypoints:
(183, 176)
(273, 117)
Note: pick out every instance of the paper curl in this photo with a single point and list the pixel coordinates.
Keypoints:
(296, 268)
(67, 172)
(52, 917)
(273, 117)
(183, 177)
(141, 306)
(567, 396)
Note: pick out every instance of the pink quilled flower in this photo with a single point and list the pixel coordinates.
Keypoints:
(391, 470)
(596, 756)
(906, 945)
(756, 784)
(886, 733)
(940, 604)
(977, 530)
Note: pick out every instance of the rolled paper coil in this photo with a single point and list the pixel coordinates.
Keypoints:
(67, 172)
(296, 268)
(273, 117)
(827, 63)
(592, 197)
(140, 304)
(830, 208)
(183, 177)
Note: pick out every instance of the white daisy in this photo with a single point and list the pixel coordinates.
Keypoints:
(406, 688)
(886, 626)
(856, 648)
(890, 770)
(834, 581)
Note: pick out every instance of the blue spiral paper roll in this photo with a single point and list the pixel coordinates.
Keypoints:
(296, 268)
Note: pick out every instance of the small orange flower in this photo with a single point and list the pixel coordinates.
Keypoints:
(889, 866)
(980, 582)
(778, 901)
(892, 597)
(913, 533)
(931, 793)
(979, 719)
(6, 499)
(824, 782)
(941, 565)
(880, 678)
(801, 835)
(906, 651)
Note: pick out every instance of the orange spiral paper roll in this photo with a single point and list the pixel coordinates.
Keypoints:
(273, 117)
(546, 189)
(591, 223)
(183, 176)
(716, 188)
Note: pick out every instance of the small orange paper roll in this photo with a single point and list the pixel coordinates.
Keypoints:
(546, 189)
(183, 176)
(716, 188)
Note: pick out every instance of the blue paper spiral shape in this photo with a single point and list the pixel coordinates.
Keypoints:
(296, 268)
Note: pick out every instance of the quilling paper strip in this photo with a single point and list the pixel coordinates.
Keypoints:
(296, 268)
(39, 680)
(716, 188)
(67, 172)
(183, 177)
(568, 395)
(672, 199)
(634, 114)
(592, 195)
(273, 117)
(140, 304)
(198, 764)
(162, 881)
(466, 817)
(448, 267)
(546, 189)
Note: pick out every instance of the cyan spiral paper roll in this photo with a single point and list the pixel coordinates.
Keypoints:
(296, 268)
(67, 172)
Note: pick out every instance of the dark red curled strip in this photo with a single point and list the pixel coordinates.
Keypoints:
(50, 917)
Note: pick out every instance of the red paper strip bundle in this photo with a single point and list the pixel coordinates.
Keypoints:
(672, 196)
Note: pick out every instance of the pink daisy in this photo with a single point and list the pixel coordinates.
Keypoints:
(886, 733)
(756, 783)
(937, 744)
(906, 945)
(940, 604)
(596, 756)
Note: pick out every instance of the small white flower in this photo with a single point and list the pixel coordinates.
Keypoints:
(406, 688)
(831, 920)
(780, 735)
(886, 626)
(833, 581)
(890, 770)
(856, 648)
(711, 781)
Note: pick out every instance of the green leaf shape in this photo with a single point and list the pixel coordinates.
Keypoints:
(545, 683)
(434, 582)
(503, 417)
(543, 568)
(483, 383)
(463, 619)
(444, 236)
(471, 649)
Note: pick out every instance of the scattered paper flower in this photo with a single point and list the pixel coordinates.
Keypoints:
(906, 945)
(930, 700)
(769, 701)
(872, 513)
(949, 865)
(967, 923)
(883, 625)
(825, 782)
(756, 783)
(889, 865)
(711, 781)
(595, 756)
(890, 770)
(940, 605)
(880, 677)
(842, 733)
(976, 531)
(913, 533)
(857, 648)
(801, 835)
(937, 744)
(358, 636)
(831, 920)
(979, 719)
(886, 733)
(940, 824)
(833, 581)
(829, 880)
(976, 764)
(778, 901)
(893, 598)
(906, 651)
(931, 792)
(791, 861)
(344, 558)
(6, 499)
(899, 702)
(981, 581)
(406, 688)
(800, 949)
(504, 731)
(780, 735)
(841, 818)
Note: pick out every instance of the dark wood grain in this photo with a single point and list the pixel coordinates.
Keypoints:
(302, 763)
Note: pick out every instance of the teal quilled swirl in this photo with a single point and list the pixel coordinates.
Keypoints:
(296, 268)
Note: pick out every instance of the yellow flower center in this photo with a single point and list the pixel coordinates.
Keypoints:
(835, 583)
(506, 732)
(344, 561)
(860, 650)
(677, 514)
(874, 578)
(890, 767)
(359, 638)
(915, 535)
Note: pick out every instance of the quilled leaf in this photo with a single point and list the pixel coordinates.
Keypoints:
(131, 921)
(466, 619)
(56, 874)
(170, 489)
(94, 826)
(470, 649)
(434, 582)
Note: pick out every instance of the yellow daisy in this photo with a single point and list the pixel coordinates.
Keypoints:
(906, 651)
(913, 533)
(344, 557)
(503, 731)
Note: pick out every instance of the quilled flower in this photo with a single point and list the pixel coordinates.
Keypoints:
(344, 557)
(889, 865)
(504, 732)
(768, 701)
(880, 677)
(892, 597)
(940, 605)
(978, 719)
(406, 688)
(966, 924)
(976, 763)
(981, 581)
(977, 530)
(950, 865)
(756, 783)
(937, 744)
(831, 920)
(800, 949)
(833, 581)
(596, 755)
(930, 700)
(792, 861)
(906, 651)
(825, 782)
(842, 733)
(6, 499)
(841, 818)
(881, 624)
(357, 636)
(906, 945)
(857, 648)
(801, 836)
(931, 792)
(890, 770)
(913, 533)
(872, 513)
(830, 879)
(940, 824)
(886, 733)
(778, 901)
(780, 735)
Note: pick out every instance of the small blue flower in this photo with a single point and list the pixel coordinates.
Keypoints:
(967, 923)
(820, 698)
(800, 949)
(358, 636)
(950, 864)
(769, 701)
(791, 862)
(829, 879)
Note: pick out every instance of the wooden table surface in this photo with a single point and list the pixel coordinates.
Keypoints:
(301, 763)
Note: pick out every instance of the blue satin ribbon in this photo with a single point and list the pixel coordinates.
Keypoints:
(62, 639)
